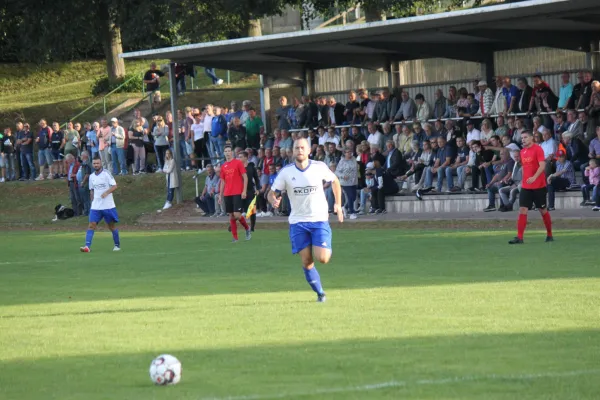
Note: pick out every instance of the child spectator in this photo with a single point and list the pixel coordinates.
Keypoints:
(592, 172)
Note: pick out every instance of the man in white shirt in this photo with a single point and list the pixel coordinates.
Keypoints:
(309, 220)
(102, 185)
(472, 135)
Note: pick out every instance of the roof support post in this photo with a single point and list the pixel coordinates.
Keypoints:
(594, 57)
(393, 76)
(488, 70)
(265, 103)
(176, 152)
(308, 85)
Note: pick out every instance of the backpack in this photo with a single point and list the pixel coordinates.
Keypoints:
(61, 213)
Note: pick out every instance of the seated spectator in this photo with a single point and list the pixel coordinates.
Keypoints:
(486, 132)
(357, 136)
(502, 171)
(333, 155)
(444, 158)
(277, 156)
(560, 125)
(562, 179)
(577, 151)
(286, 140)
(320, 153)
(375, 154)
(407, 110)
(440, 106)
(459, 166)
(594, 151)
(347, 172)
(439, 129)
(429, 134)
(550, 147)
(403, 138)
(512, 184)
(419, 160)
(592, 172)
(331, 137)
(375, 137)
(502, 129)
(418, 134)
(387, 134)
(482, 167)
(394, 162)
(208, 198)
(383, 184)
(344, 137)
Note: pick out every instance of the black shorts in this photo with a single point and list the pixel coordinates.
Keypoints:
(530, 197)
(234, 204)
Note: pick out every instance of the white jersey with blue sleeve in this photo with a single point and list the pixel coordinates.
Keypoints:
(305, 191)
(100, 183)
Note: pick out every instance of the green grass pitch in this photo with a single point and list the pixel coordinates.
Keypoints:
(410, 315)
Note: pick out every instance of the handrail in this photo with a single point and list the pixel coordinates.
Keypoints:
(145, 97)
(440, 119)
(336, 17)
(103, 100)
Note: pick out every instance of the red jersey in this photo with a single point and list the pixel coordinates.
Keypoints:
(530, 160)
(231, 173)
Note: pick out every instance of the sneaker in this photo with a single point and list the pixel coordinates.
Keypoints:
(404, 191)
(248, 235)
(419, 194)
(167, 205)
(22, 179)
(353, 216)
(384, 211)
(516, 241)
(187, 168)
(502, 208)
(116, 248)
(372, 211)
(489, 208)
(590, 203)
(321, 298)
(549, 239)
(84, 249)
(551, 208)
(234, 240)
(455, 189)
(583, 203)
(596, 208)
(268, 214)
(2, 180)
(378, 211)
(220, 82)
(40, 178)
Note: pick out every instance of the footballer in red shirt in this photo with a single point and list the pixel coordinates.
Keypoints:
(234, 182)
(533, 187)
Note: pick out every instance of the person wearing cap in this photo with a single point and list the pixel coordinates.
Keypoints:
(486, 99)
(562, 179)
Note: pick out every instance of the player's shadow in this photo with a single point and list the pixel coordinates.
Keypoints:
(543, 365)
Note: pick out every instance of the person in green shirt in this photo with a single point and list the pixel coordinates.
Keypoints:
(254, 127)
(71, 140)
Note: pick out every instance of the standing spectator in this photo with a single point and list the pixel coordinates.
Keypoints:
(440, 106)
(212, 74)
(335, 112)
(254, 127)
(92, 139)
(407, 110)
(562, 179)
(161, 144)
(83, 177)
(72, 169)
(423, 109)
(576, 93)
(538, 84)
(58, 144)
(586, 91)
(347, 173)
(566, 90)
(117, 147)
(104, 139)
(486, 99)
(180, 78)
(208, 198)
(197, 135)
(136, 138)
(459, 166)
(25, 142)
(43, 141)
(300, 114)
(592, 172)
(71, 140)
(511, 95)
(350, 111)
(7, 153)
(152, 82)
(281, 114)
(218, 135)
(170, 170)
(524, 96)
(237, 134)
(546, 101)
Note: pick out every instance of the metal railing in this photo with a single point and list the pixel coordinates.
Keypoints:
(438, 119)
(103, 101)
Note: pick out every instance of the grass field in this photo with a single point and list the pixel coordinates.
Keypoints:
(410, 314)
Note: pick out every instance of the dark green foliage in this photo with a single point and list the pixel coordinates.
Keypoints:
(133, 83)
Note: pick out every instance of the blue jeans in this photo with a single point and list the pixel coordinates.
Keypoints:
(84, 196)
(27, 161)
(45, 158)
(206, 204)
(428, 178)
(330, 197)
(210, 72)
(585, 191)
(185, 160)
(118, 155)
(441, 173)
(350, 192)
(364, 197)
(215, 148)
(181, 84)
(492, 195)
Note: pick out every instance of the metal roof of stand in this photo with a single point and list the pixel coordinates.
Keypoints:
(470, 35)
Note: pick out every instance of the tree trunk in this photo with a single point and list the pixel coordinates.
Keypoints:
(254, 28)
(112, 44)
(373, 14)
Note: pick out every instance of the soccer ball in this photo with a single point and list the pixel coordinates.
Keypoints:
(165, 370)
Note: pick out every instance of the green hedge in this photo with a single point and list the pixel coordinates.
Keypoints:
(101, 84)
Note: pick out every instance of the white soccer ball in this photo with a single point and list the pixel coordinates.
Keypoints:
(165, 370)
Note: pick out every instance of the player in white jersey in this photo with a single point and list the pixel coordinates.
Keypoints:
(102, 185)
(310, 232)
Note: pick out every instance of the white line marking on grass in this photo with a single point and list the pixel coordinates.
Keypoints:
(422, 382)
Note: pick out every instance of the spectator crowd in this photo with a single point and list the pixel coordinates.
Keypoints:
(377, 143)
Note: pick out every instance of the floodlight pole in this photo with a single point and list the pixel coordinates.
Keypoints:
(176, 152)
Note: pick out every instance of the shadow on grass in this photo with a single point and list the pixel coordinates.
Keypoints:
(97, 312)
(548, 365)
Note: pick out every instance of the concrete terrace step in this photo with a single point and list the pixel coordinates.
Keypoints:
(463, 202)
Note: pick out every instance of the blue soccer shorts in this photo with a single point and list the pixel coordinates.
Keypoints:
(109, 215)
(304, 234)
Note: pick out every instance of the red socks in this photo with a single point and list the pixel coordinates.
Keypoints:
(521, 225)
(548, 223)
(233, 224)
(244, 223)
